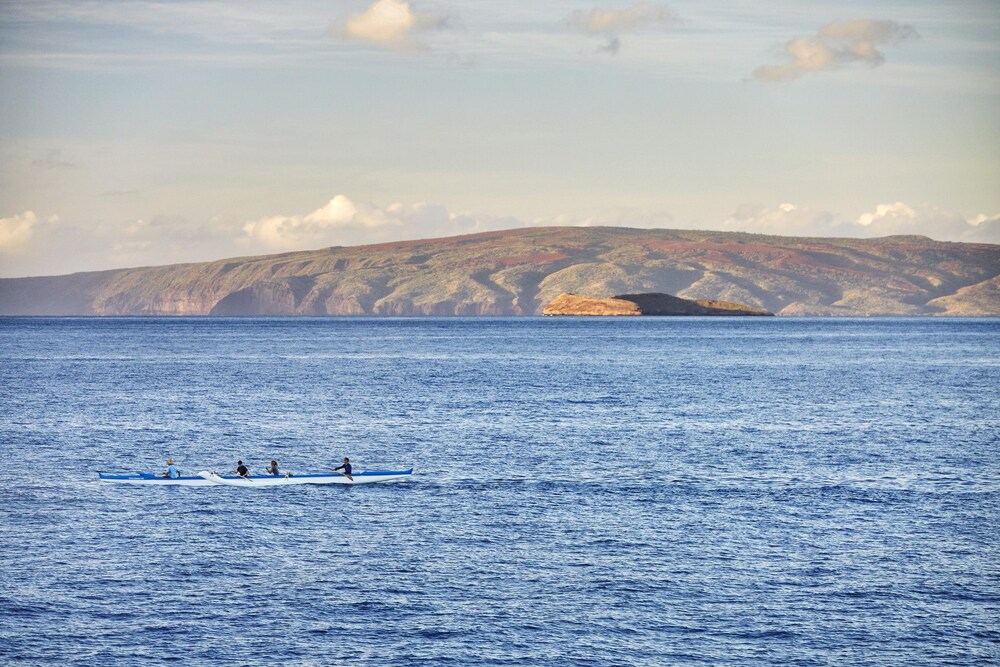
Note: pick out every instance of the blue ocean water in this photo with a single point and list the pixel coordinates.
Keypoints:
(634, 491)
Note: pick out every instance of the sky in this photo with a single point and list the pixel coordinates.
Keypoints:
(137, 133)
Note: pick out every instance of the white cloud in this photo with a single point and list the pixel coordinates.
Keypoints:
(611, 23)
(32, 245)
(884, 220)
(835, 45)
(294, 230)
(785, 219)
(16, 231)
(604, 21)
(619, 216)
(926, 220)
(344, 222)
(984, 229)
(390, 23)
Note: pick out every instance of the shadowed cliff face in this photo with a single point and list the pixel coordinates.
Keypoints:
(665, 304)
(515, 272)
(645, 304)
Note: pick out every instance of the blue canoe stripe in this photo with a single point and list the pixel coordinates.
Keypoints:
(146, 475)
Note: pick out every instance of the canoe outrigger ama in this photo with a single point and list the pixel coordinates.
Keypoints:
(206, 478)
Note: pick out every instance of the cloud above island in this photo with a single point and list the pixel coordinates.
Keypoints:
(926, 220)
(611, 23)
(890, 219)
(16, 231)
(834, 46)
(342, 221)
(34, 245)
(392, 24)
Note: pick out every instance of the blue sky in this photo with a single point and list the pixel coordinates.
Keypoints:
(138, 133)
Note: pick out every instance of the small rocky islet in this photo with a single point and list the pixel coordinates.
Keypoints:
(653, 304)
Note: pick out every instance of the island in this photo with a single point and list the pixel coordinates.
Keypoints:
(518, 271)
(655, 304)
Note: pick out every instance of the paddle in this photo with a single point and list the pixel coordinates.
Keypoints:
(342, 473)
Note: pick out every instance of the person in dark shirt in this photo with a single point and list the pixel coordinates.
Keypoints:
(241, 469)
(273, 469)
(346, 467)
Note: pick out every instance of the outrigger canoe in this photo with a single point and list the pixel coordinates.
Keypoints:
(206, 478)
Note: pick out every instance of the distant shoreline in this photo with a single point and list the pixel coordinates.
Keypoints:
(517, 272)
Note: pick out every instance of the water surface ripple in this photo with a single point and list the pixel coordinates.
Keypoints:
(587, 492)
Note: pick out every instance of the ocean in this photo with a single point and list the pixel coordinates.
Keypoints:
(634, 491)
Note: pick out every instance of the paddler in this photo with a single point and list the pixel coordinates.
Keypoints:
(172, 471)
(346, 467)
(273, 468)
(241, 469)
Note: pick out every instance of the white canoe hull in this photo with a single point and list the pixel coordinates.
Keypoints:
(206, 478)
(259, 481)
(145, 479)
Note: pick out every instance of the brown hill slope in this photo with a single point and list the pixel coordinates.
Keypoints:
(515, 272)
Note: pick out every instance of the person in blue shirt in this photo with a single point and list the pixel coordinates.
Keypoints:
(273, 469)
(346, 467)
(172, 471)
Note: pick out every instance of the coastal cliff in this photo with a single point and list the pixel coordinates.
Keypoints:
(646, 304)
(518, 271)
(571, 304)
